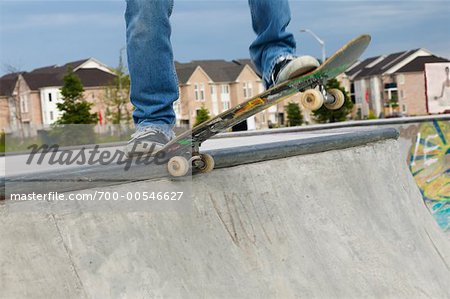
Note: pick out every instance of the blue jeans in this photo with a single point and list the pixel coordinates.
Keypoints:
(154, 83)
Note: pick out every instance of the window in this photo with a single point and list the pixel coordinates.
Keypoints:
(51, 115)
(199, 90)
(49, 97)
(196, 92)
(202, 92)
(281, 118)
(248, 89)
(24, 104)
(404, 110)
(394, 95)
(225, 96)
(225, 89)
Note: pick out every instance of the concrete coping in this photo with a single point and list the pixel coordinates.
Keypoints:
(270, 151)
(101, 176)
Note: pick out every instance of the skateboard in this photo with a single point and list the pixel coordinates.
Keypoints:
(183, 153)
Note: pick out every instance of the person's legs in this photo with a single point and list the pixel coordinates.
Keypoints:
(274, 47)
(154, 84)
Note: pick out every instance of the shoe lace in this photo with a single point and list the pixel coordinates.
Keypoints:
(279, 66)
(148, 131)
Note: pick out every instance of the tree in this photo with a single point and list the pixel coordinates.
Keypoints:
(202, 116)
(324, 115)
(75, 109)
(76, 125)
(116, 95)
(294, 115)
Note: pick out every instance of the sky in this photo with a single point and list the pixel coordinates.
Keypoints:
(41, 33)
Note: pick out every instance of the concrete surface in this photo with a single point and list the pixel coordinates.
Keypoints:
(345, 223)
(23, 178)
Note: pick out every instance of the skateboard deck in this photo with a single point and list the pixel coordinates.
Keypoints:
(183, 153)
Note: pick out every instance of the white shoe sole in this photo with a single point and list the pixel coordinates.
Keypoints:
(298, 66)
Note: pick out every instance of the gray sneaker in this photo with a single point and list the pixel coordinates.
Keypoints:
(290, 67)
(146, 141)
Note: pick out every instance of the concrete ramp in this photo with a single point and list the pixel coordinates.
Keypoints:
(348, 223)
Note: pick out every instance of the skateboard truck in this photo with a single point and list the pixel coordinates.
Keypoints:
(313, 98)
(328, 98)
(181, 165)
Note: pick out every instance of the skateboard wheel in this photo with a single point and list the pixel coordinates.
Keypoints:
(178, 166)
(208, 163)
(339, 99)
(312, 99)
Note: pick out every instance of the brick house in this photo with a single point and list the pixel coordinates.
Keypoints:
(372, 81)
(410, 80)
(28, 99)
(219, 85)
(20, 105)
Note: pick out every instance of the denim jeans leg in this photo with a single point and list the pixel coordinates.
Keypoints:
(154, 84)
(270, 19)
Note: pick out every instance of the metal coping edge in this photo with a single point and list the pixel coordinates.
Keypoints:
(278, 150)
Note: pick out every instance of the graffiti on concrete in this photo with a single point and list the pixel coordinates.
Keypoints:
(430, 165)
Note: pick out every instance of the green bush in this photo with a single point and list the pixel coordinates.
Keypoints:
(371, 115)
(294, 115)
(202, 116)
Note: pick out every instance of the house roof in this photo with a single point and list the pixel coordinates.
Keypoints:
(91, 77)
(217, 70)
(248, 62)
(7, 84)
(184, 71)
(220, 70)
(356, 69)
(44, 79)
(418, 64)
(57, 69)
(384, 64)
(51, 76)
